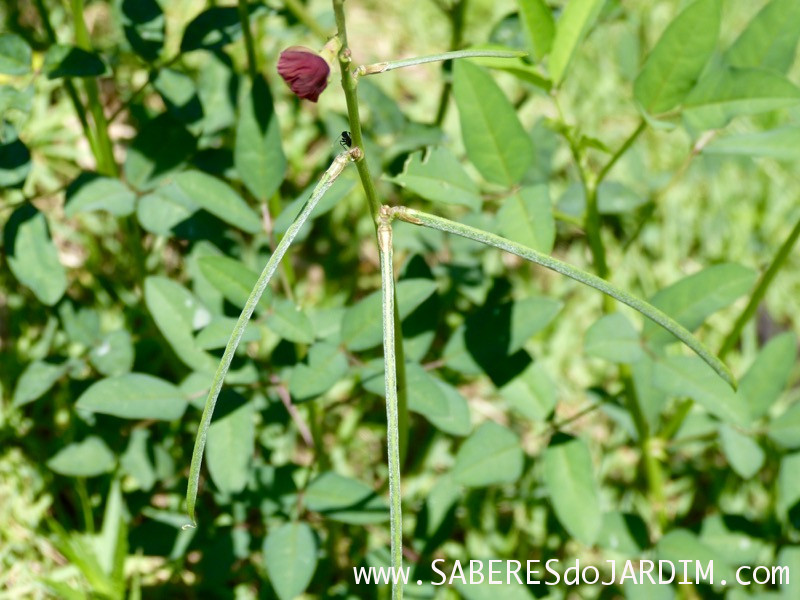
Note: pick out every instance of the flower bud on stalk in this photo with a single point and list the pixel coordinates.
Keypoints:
(306, 72)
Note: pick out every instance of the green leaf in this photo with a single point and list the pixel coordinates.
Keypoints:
(15, 163)
(624, 533)
(726, 93)
(439, 403)
(532, 393)
(769, 374)
(683, 545)
(347, 500)
(258, 154)
(162, 210)
(493, 136)
(179, 93)
(675, 63)
(693, 299)
(113, 353)
(290, 556)
(91, 192)
(785, 430)
(743, 453)
(770, 39)
(219, 199)
(135, 462)
(70, 61)
(231, 438)
(36, 380)
(539, 25)
(327, 364)
(570, 482)
(491, 455)
(290, 322)
(362, 323)
(177, 314)
(526, 217)
(780, 144)
(32, 255)
(134, 396)
(789, 557)
(528, 317)
(651, 397)
(87, 458)
(216, 334)
(232, 278)
(572, 26)
(690, 376)
(439, 178)
(613, 338)
(15, 55)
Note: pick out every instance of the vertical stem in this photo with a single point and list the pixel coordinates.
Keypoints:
(106, 163)
(456, 14)
(69, 86)
(761, 289)
(86, 504)
(592, 224)
(390, 380)
(351, 98)
(244, 19)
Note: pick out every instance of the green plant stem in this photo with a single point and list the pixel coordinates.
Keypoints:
(69, 86)
(456, 14)
(86, 504)
(760, 290)
(339, 163)
(391, 65)
(416, 217)
(621, 151)
(106, 163)
(390, 380)
(367, 183)
(299, 11)
(592, 226)
(244, 19)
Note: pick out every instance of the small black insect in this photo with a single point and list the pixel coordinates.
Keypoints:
(346, 141)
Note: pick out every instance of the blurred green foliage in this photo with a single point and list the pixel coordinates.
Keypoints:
(146, 176)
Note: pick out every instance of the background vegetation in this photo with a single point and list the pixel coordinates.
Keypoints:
(148, 168)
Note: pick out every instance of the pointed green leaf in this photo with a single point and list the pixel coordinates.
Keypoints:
(439, 178)
(232, 278)
(63, 60)
(491, 455)
(347, 500)
(571, 28)
(537, 18)
(725, 93)
(526, 217)
(87, 458)
(785, 430)
(219, 199)
(613, 338)
(690, 376)
(743, 453)
(439, 403)
(231, 438)
(216, 334)
(258, 154)
(680, 55)
(32, 255)
(768, 376)
(493, 136)
(290, 556)
(177, 314)
(570, 482)
(770, 39)
(134, 396)
(15, 55)
(290, 322)
(91, 192)
(36, 380)
(693, 299)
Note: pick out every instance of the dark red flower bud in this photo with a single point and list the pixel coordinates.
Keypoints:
(304, 71)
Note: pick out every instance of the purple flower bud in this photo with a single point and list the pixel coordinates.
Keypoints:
(304, 71)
